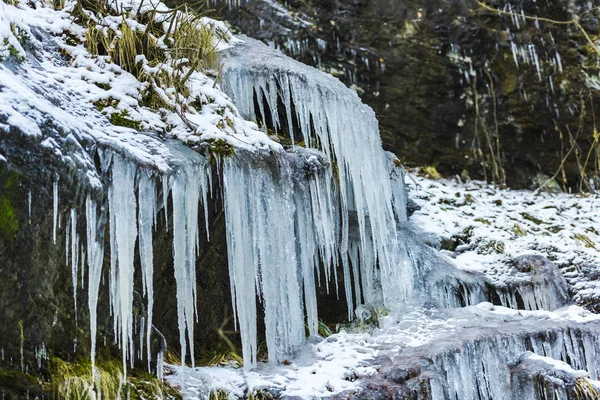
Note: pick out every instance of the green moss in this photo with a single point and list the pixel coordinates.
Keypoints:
(104, 103)
(74, 381)
(221, 355)
(16, 383)
(122, 119)
(324, 330)
(15, 53)
(431, 172)
(9, 225)
(483, 221)
(220, 148)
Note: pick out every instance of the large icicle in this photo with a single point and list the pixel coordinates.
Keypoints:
(95, 258)
(123, 233)
(275, 217)
(74, 257)
(330, 117)
(188, 187)
(55, 209)
(146, 214)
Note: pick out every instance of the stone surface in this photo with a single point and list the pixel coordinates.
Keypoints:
(442, 78)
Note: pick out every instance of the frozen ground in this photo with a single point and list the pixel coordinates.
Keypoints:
(483, 229)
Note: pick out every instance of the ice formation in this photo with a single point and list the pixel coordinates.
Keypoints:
(279, 224)
(95, 259)
(324, 114)
(295, 219)
(189, 187)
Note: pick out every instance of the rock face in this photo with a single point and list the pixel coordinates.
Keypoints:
(453, 85)
(36, 292)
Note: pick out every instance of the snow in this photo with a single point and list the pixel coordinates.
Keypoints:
(46, 86)
(554, 225)
(285, 212)
(343, 361)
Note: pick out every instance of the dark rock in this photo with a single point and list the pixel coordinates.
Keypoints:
(422, 66)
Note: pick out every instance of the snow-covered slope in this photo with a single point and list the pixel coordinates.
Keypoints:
(48, 75)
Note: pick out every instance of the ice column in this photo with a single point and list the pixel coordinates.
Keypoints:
(95, 258)
(332, 118)
(189, 186)
(278, 226)
(146, 216)
(123, 234)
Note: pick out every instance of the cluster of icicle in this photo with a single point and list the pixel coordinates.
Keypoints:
(286, 231)
(482, 368)
(132, 208)
(289, 220)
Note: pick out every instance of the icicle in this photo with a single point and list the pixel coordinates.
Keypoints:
(74, 257)
(67, 244)
(147, 212)
(95, 258)
(261, 251)
(160, 361)
(559, 62)
(165, 190)
(82, 259)
(187, 189)
(331, 118)
(55, 208)
(514, 49)
(123, 233)
(29, 206)
(536, 61)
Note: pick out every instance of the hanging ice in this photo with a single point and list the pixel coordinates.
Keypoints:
(55, 209)
(95, 258)
(147, 211)
(322, 112)
(188, 187)
(123, 234)
(280, 222)
(74, 257)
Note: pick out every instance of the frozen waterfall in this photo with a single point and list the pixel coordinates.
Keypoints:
(325, 115)
(295, 219)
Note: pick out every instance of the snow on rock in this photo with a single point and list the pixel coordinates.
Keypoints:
(445, 352)
(488, 230)
(42, 85)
